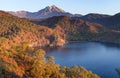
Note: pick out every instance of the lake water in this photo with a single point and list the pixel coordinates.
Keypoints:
(100, 58)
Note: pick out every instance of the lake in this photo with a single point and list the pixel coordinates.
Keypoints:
(100, 58)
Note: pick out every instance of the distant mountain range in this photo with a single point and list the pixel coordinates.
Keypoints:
(112, 22)
(51, 11)
(47, 12)
(53, 27)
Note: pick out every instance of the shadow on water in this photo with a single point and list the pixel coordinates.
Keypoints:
(115, 45)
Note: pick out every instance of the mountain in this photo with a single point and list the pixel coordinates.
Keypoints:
(113, 22)
(47, 12)
(94, 17)
(105, 20)
(70, 24)
(81, 30)
(20, 14)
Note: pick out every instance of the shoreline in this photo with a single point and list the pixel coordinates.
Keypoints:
(96, 42)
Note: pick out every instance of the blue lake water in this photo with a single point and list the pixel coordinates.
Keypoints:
(100, 58)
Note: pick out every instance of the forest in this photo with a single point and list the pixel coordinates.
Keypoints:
(23, 61)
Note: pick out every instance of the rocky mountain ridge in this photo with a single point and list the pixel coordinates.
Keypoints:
(47, 12)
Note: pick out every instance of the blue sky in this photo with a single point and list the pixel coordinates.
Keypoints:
(74, 6)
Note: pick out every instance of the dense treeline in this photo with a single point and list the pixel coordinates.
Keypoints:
(23, 61)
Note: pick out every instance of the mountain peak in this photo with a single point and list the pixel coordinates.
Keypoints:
(54, 8)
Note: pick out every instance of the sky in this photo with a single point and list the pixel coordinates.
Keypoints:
(83, 7)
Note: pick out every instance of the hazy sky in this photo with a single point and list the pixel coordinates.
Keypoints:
(73, 6)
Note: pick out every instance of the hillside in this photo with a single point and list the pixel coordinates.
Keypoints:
(14, 30)
(113, 22)
(80, 30)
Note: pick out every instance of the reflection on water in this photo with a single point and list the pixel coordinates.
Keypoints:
(101, 58)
